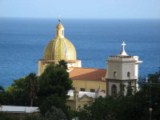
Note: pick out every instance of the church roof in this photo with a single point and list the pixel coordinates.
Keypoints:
(92, 74)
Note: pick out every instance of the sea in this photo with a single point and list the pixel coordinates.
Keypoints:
(23, 41)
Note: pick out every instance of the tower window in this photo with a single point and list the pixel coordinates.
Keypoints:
(114, 90)
(114, 74)
(128, 74)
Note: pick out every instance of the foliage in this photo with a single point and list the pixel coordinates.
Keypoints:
(56, 81)
(54, 84)
(62, 64)
(33, 117)
(49, 102)
(52, 114)
(1, 89)
(152, 92)
(24, 89)
(129, 89)
(101, 109)
(55, 114)
(52, 87)
(2, 95)
(5, 116)
(31, 87)
(130, 107)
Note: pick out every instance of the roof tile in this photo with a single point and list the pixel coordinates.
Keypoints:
(87, 74)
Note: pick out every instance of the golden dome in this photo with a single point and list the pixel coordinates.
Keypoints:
(60, 48)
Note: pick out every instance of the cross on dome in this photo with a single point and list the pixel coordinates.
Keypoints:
(59, 20)
(123, 52)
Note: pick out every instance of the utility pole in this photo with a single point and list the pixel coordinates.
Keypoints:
(150, 101)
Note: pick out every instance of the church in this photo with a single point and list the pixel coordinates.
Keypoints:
(89, 83)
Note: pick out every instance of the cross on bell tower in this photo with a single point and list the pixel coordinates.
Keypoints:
(123, 52)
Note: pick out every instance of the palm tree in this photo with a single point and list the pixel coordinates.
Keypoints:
(32, 87)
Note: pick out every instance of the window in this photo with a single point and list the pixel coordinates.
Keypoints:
(128, 74)
(114, 90)
(92, 90)
(82, 89)
(114, 74)
(103, 91)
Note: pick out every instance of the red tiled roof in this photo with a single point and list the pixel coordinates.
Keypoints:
(87, 74)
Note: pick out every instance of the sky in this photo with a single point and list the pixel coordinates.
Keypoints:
(80, 9)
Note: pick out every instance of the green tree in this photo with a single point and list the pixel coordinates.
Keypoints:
(152, 92)
(2, 95)
(17, 90)
(122, 89)
(129, 89)
(54, 84)
(129, 107)
(54, 80)
(62, 64)
(31, 87)
(33, 117)
(6, 116)
(101, 109)
(24, 89)
(1, 89)
(55, 114)
(51, 101)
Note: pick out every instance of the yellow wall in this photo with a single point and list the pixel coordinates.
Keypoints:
(88, 84)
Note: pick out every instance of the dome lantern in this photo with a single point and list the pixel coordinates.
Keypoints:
(60, 30)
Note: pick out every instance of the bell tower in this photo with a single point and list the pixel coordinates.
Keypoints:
(122, 72)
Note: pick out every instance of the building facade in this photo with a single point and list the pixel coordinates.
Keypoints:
(121, 72)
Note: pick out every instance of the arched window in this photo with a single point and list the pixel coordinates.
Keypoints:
(114, 74)
(114, 90)
(128, 74)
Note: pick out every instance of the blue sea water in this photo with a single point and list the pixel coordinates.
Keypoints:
(22, 43)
